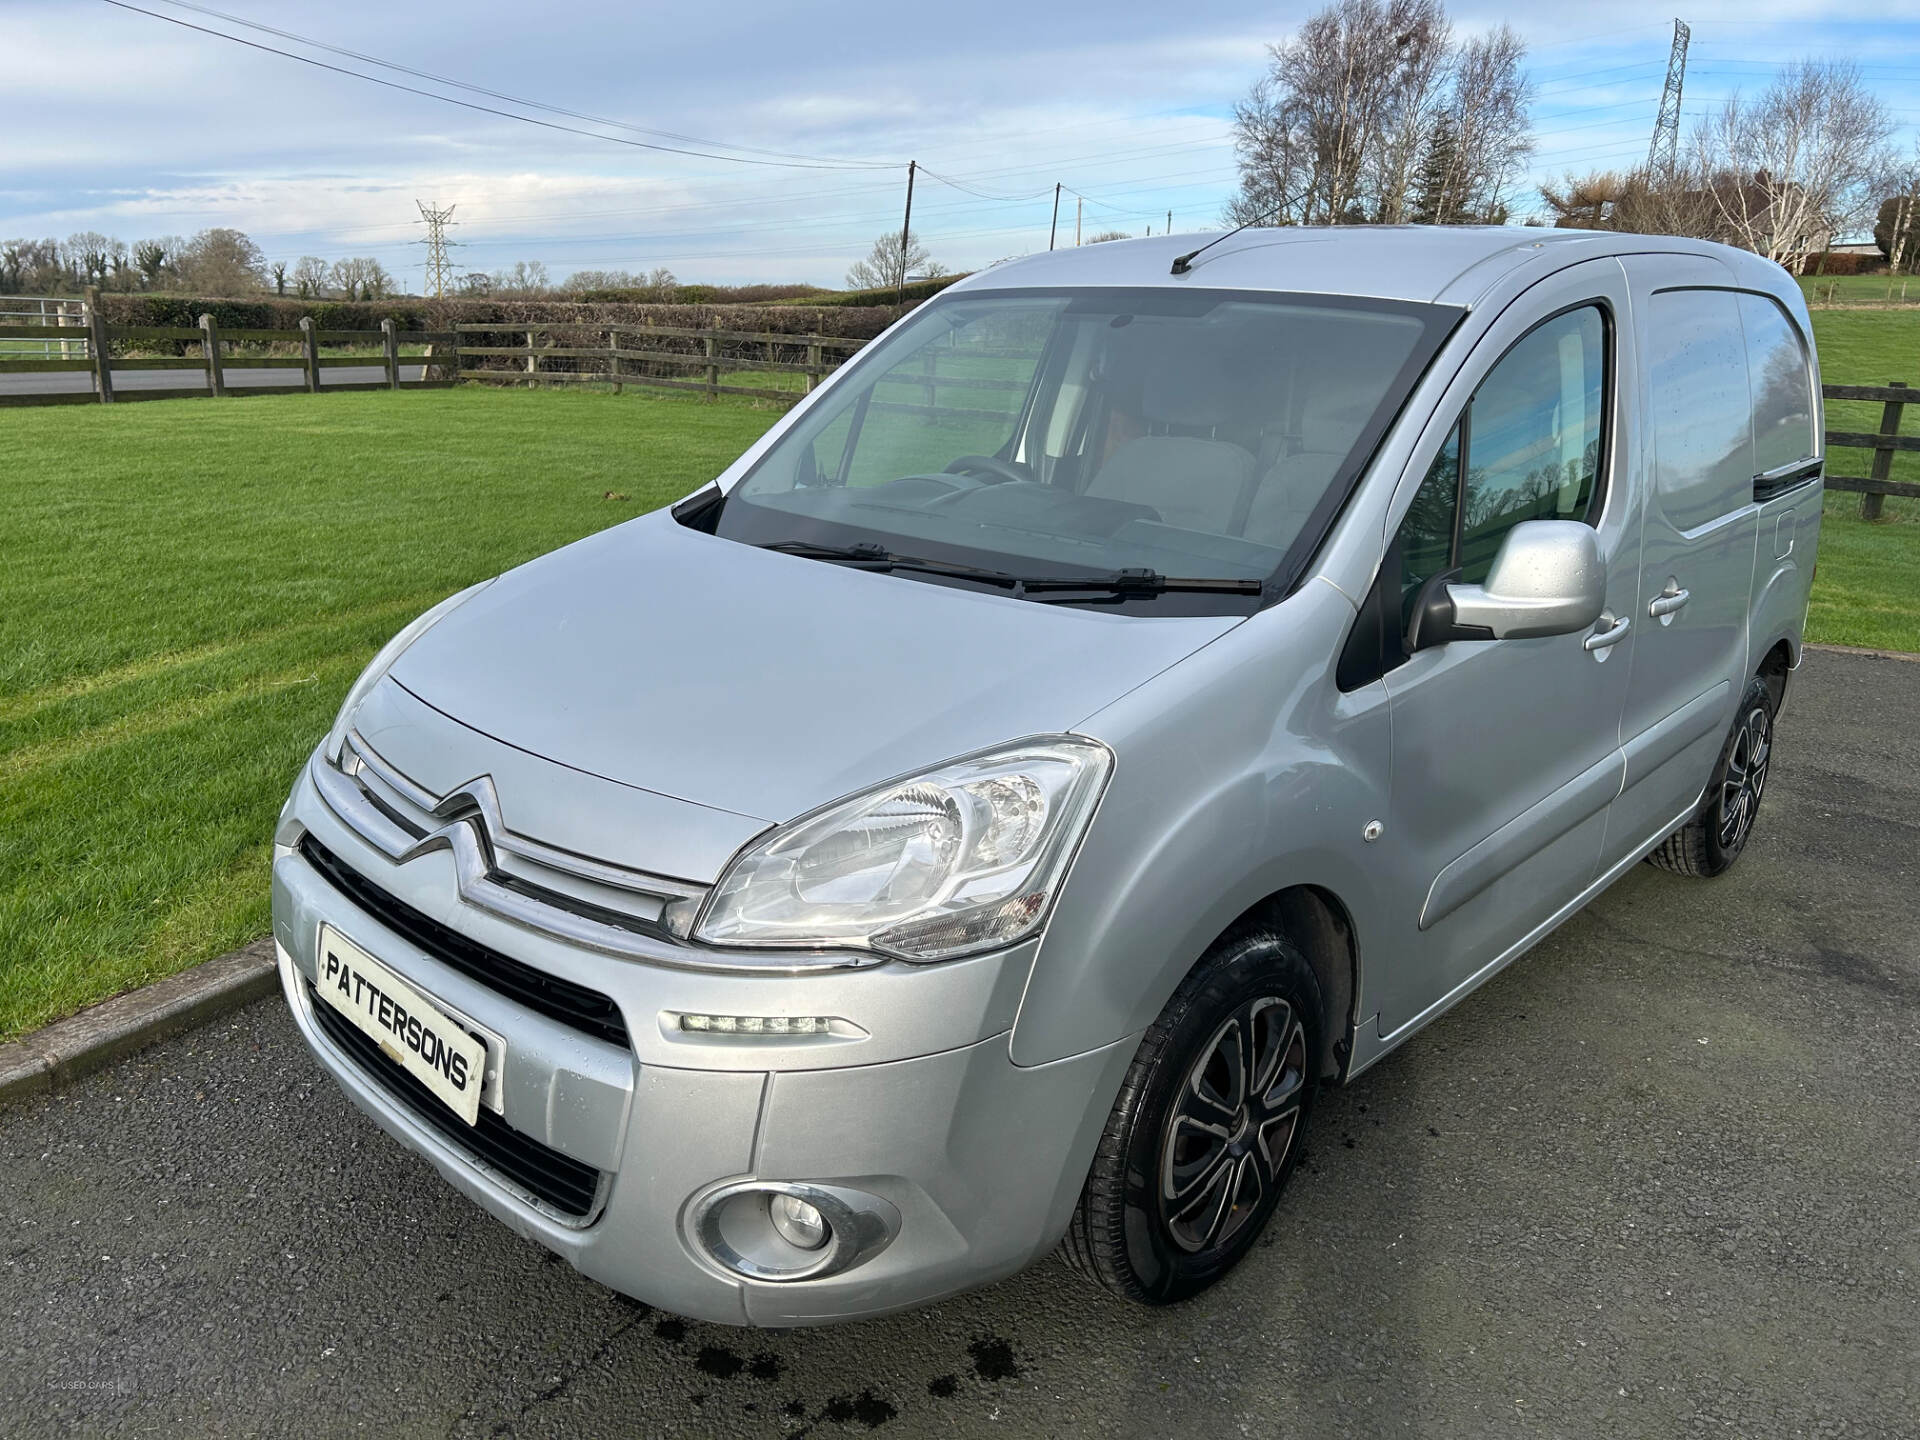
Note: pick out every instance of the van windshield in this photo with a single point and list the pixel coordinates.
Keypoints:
(1081, 433)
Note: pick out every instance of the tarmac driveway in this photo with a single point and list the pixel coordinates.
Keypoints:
(1661, 1177)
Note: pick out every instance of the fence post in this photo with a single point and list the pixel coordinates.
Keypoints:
(532, 363)
(390, 343)
(310, 351)
(97, 343)
(210, 343)
(813, 366)
(1871, 505)
(713, 358)
(613, 358)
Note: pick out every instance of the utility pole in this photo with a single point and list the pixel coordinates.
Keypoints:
(1169, 229)
(1054, 228)
(906, 227)
(439, 267)
(1077, 202)
(1663, 150)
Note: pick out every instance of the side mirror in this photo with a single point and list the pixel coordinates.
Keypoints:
(1548, 579)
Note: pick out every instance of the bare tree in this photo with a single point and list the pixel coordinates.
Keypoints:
(1416, 97)
(222, 262)
(1371, 113)
(527, 279)
(279, 277)
(888, 267)
(655, 283)
(310, 277)
(1896, 226)
(1800, 165)
(1489, 115)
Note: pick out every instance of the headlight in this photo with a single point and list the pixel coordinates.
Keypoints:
(966, 857)
(383, 662)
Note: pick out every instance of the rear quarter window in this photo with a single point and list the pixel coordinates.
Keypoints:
(1782, 385)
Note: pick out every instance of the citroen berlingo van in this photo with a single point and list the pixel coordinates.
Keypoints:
(1147, 684)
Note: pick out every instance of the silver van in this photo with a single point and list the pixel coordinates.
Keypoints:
(1142, 687)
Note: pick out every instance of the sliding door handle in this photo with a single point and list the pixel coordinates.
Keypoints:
(1669, 602)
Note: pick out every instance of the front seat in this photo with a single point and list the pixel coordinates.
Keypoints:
(1294, 483)
(1194, 481)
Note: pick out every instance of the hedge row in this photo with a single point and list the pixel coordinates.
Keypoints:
(861, 322)
(915, 293)
(1838, 263)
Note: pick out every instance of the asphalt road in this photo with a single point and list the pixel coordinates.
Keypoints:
(61, 382)
(1662, 1177)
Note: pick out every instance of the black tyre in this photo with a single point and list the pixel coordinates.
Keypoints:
(1713, 839)
(1208, 1125)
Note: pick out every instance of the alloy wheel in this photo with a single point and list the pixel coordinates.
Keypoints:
(1746, 777)
(1233, 1122)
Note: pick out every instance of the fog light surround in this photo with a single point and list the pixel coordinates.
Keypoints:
(781, 1231)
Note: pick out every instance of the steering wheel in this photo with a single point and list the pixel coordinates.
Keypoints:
(991, 465)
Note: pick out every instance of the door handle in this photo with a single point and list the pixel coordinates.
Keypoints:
(1669, 602)
(1603, 640)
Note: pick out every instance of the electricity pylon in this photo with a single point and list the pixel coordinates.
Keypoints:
(1663, 152)
(439, 267)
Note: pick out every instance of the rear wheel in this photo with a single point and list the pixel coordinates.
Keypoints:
(1207, 1128)
(1713, 839)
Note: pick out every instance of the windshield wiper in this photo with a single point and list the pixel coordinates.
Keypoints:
(1124, 583)
(1139, 582)
(869, 556)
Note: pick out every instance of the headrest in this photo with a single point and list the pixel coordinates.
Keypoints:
(1196, 390)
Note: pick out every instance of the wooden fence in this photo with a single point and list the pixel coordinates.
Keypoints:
(364, 349)
(559, 354)
(1879, 483)
(656, 356)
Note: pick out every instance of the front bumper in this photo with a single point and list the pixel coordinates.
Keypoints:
(981, 1159)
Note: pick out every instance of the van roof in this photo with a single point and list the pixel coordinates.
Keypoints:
(1452, 264)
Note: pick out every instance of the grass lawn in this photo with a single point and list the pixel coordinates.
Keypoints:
(1869, 586)
(1861, 289)
(190, 587)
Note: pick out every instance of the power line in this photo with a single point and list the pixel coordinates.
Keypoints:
(489, 109)
(511, 99)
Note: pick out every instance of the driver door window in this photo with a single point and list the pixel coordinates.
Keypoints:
(1527, 447)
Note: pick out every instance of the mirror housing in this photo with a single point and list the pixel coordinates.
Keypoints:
(1548, 579)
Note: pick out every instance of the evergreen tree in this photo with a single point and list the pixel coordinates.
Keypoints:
(1434, 202)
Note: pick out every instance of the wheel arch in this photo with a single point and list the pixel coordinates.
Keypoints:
(1318, 921)
(1776, 665)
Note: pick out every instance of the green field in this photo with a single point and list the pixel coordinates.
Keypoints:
(1869, 587)
(191, 585)
(1861, 289)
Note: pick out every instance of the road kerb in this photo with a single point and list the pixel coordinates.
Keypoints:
(97, 1036)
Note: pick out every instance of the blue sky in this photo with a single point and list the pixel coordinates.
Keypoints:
(125, 124)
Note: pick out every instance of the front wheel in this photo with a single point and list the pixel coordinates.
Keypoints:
(1712, 840)
(1207, 1128)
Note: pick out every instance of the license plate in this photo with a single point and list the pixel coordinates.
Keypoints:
(409, 1028)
